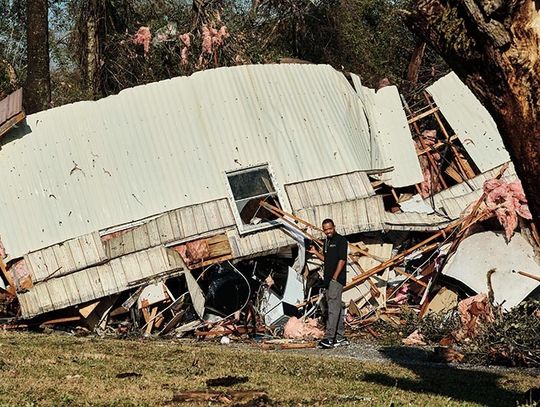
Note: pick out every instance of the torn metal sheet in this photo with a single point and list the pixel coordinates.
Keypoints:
(196, 294)
(485, 251)
(416, 205)
(471, 122)
(392, 143)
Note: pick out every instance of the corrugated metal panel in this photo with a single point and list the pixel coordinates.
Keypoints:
(413, 221)
(11, 105)
(173, 226)
(92, 165)
(96, 282)
(258, 244)
(470, 121)
(346, 187)
(392, 139)
(65, 258)
(361, 215)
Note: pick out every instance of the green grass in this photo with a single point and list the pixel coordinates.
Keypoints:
(57, 370)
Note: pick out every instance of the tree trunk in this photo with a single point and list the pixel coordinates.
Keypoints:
(92, 49)
(493, 46)
(416, 62)
(37, 92)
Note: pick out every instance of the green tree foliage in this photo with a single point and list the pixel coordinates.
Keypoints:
(12, 45)
(367, 37)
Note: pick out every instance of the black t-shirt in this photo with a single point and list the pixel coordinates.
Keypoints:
(335, 249)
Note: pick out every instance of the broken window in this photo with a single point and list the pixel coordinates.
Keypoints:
(249, 187)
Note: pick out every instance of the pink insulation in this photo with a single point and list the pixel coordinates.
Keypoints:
(143, 37)
(299, 329)
(474, 312)
(506, 200)
(212, 38)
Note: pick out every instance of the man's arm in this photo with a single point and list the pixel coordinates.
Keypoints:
(339, 269)
(313, 250)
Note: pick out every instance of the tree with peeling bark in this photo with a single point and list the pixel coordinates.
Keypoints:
(494, 47)
(37, 91)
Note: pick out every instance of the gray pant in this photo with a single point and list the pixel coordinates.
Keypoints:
(335, 328)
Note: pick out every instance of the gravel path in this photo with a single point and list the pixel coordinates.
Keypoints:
(366, 351)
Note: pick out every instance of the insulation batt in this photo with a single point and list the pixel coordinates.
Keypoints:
(298, 329)
(143, 37)
(506, 200)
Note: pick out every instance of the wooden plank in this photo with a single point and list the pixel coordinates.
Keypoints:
(71, 288)
(12, 288)
(108, 281)
(176, 225)
(346, 183)
(188, 222)
(57, 292)
(95, 282)
(86, 310)
(51, 264)
(150, 323)
(422, 115)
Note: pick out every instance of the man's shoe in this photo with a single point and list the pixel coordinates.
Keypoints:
(342, 342)
(326, 344)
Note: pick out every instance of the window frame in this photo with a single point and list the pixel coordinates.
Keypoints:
(243, 228)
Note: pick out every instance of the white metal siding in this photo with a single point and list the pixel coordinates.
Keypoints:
(92, 165)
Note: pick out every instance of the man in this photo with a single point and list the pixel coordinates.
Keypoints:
(334, 257)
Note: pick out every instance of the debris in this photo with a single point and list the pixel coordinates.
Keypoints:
(126, 375)
(444, 301)
(302, 329)
(143, 37)
(414, 339)
(226, 381)
(225, 340)
(474, 312)
(506, 200)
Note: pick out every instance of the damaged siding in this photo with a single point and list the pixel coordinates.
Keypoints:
(96, 282)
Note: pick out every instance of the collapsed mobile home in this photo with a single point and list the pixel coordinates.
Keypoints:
(106, 197)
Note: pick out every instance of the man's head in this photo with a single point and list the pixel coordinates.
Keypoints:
(329, 228)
